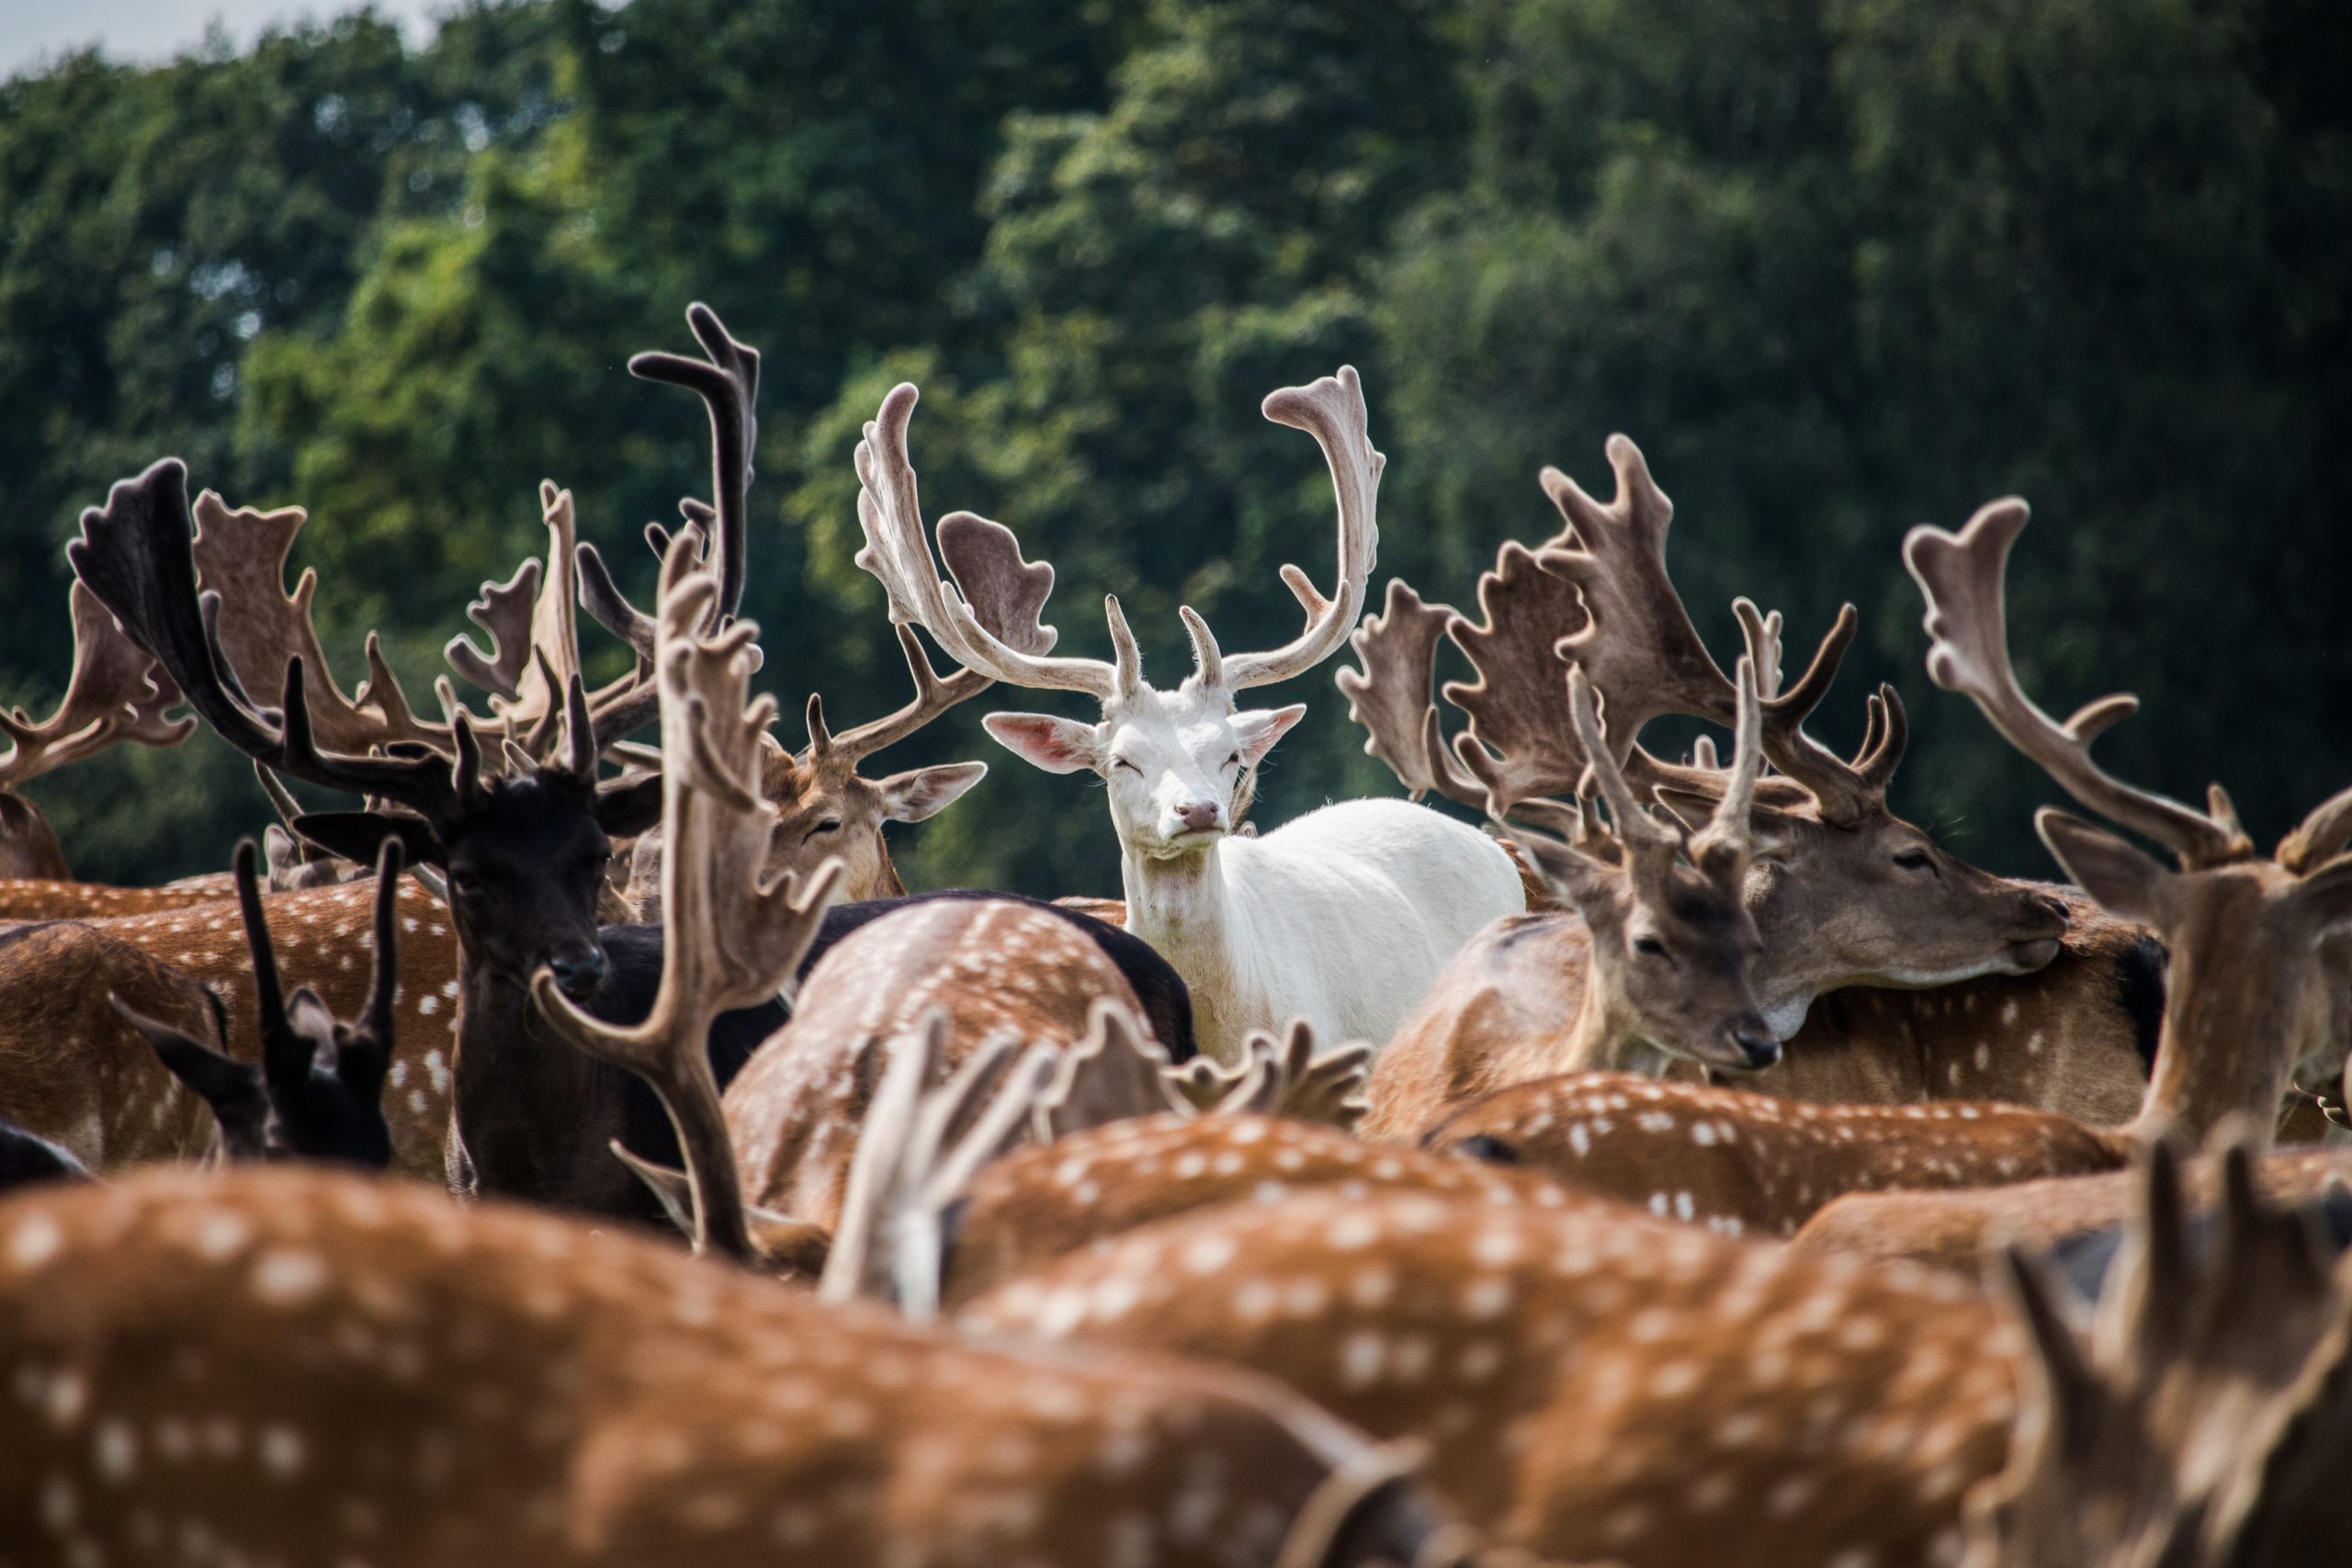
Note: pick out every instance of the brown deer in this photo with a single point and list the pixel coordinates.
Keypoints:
(115, 694)
(1844, 893)
(2251, 1005)
(292, 1363)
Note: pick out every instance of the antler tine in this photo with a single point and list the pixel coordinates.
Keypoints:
(1962, 576)
(1332, 411)
(728, 942)
(727, 380)
(1520, 736)
(934, 696)
(503, 612)
(1722, 848)
(2320, 837)
(899, 557)
(1636, 641)
(367, 1043)
(1628, 818)
(116, 693)
(609, 607)
(1390, 694)
(1117, 1071)
(284, 1052)
(240, 554)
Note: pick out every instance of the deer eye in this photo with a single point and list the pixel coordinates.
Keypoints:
(1234, 760)
(1123, 763)
(830, 825)
(1649, 947)
(1916, 860)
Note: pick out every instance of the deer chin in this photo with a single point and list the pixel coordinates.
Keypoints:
(2031, 955)
(1184, 845)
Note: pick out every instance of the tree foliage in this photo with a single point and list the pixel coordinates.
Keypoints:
(1838, 266)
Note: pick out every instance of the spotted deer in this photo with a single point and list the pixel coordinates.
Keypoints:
(2250, 1007)
(1844, 893)
(292, 1363)
(114, 695)
(1342, 916)
(1597, 1386)
(317, 1092)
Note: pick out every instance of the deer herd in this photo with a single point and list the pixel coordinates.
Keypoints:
(581, 1147)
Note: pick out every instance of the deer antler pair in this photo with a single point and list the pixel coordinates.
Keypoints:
(730, 939)
(1596, 596)
(898, 556)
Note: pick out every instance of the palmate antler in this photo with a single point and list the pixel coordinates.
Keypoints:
(115, 694)
(730, 939)
(899, 557)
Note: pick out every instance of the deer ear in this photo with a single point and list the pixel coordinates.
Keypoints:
(358, 835)
(625, 807)
(233, 1089)
(1585, 883)
(2124, 880)
(923, 793)
(1261, 727)
(1057, 745)
(2326, 896)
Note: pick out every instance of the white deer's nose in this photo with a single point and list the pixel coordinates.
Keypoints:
(1197, 816)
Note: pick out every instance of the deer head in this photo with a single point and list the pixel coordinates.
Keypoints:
(524, 854)
(1843, 891)
(1177, 764)
(317, 1092)
(115, 694)
(1672, 940)
(2248, 932)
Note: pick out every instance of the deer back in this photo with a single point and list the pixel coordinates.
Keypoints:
(295, 1365)
(1593, 1387)
(994, 967)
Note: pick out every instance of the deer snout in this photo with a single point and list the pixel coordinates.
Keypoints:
(1753, 1040)
(1197, 816)
(578, 975)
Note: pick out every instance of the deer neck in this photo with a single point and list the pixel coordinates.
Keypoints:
(1606, 1036)
(1183, 907)
(532, 1113)
(2237, 1018)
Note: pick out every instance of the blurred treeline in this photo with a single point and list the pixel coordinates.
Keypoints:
(1838, 266)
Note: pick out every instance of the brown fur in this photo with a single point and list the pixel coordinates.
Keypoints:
(73, 1071)
(1953, 1230)
(794, 1111)
(292, 1365)
(1592, 1385)
(2060, 1039)
(55, 898)
(1043, 1201)
(323, 942)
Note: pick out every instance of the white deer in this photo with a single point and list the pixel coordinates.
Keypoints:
(1343, 917)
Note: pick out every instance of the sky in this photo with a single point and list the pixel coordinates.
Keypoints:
(33, 31)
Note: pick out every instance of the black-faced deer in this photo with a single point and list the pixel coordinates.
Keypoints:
(2253, 1001)
(317, 1092)
(115, 694)
(1263, 929)
(1844, 893)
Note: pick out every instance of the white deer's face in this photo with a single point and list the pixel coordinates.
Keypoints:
(1173, 762)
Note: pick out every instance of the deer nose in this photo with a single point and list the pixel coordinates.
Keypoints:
(1197, 815)
(578, 975)
(2056, 907)
(1754, 1039)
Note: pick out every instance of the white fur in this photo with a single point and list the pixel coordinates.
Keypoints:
(1343, 917)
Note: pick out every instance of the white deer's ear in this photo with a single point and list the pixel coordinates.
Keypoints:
(922, 793)
(1057, 745)
(1259, 729)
